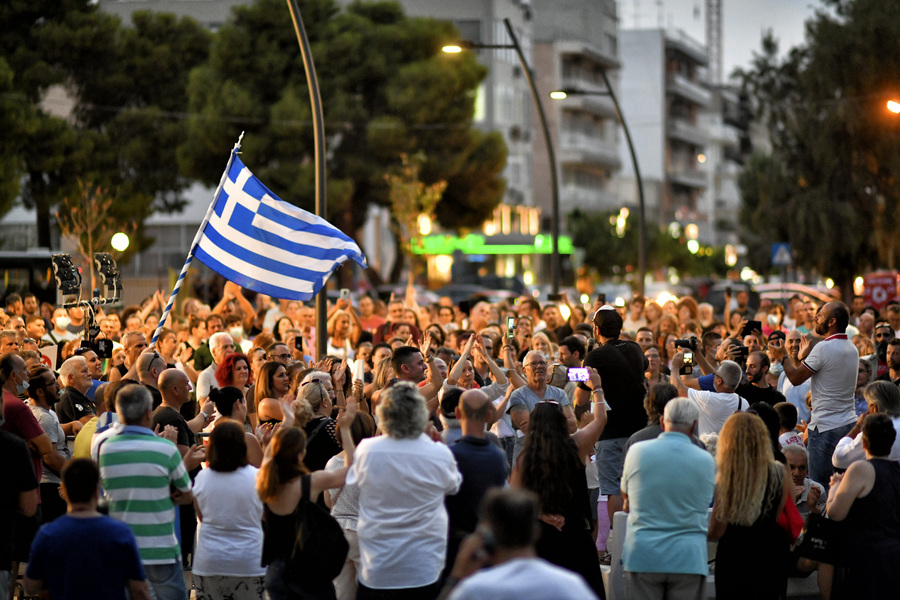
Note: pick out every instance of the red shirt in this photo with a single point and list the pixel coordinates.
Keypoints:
(20, 422)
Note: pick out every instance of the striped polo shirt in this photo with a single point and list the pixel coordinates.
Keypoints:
(137, 469)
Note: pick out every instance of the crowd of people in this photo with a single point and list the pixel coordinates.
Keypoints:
(463, 450)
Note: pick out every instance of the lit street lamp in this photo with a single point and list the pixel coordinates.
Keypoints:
(893, 106)
(554, 176)
(642, 229)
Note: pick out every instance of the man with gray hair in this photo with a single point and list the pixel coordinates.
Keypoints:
(145, 503)
(668, 486)
(715, 407)
(221, 345)
(403, 477)
(808, 495)
(74, 405)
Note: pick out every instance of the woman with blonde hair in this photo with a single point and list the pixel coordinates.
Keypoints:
(751, 489)
(342, 336)
(541, 343)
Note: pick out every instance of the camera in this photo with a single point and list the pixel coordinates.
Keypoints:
(687, 343)
(103, 348)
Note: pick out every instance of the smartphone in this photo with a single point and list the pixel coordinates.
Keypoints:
(578, 374)
(743, 351)
(688, 367)
(345, 294)
(554, 297)
(510, 327)
(601, 298)
(750, 327)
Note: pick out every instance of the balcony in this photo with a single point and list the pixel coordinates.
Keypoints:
(588, 198)
(678, 84)
(684, 130)
(682, 42)
(578, 148)
(683, 173)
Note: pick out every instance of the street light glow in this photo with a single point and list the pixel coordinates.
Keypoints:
(893, 106)
(452, 49)
(119, 242)
(558, 95)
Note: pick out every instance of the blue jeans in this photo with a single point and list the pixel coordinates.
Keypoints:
(166, 582)
(5, 579)
(821, 448)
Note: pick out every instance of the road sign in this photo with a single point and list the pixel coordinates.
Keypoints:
(781, 255)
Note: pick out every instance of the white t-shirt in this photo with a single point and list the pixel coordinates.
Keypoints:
(230, 536)
(715, 408)
(523, 578)
(796, 395)
(834, 363)
(402, 521)
(848, 450)
(49, 422)
(206, 381)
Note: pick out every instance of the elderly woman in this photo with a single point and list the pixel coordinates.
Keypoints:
(229, 537)
(552, 465)
(882, 397)
(751, 489)
(403, 478)
(866, 497)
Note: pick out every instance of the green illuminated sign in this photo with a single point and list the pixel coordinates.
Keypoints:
(477, 244)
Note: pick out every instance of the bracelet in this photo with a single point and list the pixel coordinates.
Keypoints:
(205, 416)
(597, 389)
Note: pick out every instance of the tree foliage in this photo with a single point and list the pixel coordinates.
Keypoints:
(611, 249)
(128, 85)
(829, 186)
(387, 90)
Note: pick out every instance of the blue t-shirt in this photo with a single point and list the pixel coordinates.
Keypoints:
(706, 382)
(85, 558)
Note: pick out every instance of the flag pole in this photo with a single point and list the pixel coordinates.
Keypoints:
(319, 139)
(190, 256)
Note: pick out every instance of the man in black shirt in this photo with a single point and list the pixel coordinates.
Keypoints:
(621, 366)
(74, 405)
(757, 388)
(175, 390)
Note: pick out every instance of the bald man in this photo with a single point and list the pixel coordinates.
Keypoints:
(482, 464)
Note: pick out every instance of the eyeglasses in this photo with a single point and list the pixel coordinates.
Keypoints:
(535, 364)
(284, 356)
(29, 341)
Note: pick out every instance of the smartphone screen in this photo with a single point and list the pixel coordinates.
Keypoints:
(578, 374)
(345, 294)
(510, 327)
(688, 366)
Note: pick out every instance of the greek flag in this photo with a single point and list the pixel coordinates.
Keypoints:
(264, 244)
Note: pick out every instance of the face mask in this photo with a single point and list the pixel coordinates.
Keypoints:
(63, 322)
(236, 332)
(773, 320)
(21, 388)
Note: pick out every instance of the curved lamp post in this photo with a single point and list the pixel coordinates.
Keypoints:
(642, 231)
(554, 175)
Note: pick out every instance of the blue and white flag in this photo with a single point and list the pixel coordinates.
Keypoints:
(264, 244)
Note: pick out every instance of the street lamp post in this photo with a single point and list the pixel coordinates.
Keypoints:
(642, 229)
(551, 156)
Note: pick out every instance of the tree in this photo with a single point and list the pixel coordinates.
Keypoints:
(823, 106)
(610, 246)
(386, 88)
(128, 86)
(77, 219)
(410, 200)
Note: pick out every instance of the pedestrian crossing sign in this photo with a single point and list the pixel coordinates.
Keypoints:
(781, 255)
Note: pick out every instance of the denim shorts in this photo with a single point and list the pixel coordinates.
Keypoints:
(610, 461)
